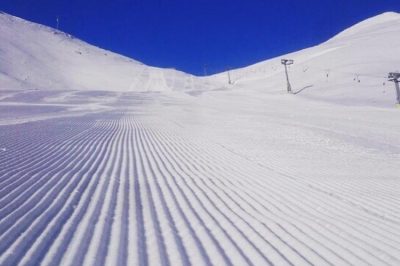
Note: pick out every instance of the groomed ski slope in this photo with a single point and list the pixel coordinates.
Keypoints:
(109, 172)
(133, 186)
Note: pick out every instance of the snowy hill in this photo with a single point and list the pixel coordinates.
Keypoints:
(244, 174)
(38, 57)
(351, 68)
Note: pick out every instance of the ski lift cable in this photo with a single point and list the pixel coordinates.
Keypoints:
(358, 74)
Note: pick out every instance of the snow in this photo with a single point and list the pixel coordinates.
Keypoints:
(108, 168)
(37, 57)
(330, 72)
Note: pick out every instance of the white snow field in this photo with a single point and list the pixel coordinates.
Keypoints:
(97, 171)
(38, 57)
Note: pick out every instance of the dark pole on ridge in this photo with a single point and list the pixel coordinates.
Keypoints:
(287, 62)
(395, 77)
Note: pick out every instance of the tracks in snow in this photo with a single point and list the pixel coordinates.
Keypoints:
(119, 189)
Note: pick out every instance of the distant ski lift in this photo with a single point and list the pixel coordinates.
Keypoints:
(394, 76)
(287, 62)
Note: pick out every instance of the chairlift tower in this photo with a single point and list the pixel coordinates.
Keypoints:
(229, 76)
(395, 77)
(287, 62)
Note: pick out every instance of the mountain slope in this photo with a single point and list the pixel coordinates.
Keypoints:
(38, 57)
(350, 68)
(245, 175)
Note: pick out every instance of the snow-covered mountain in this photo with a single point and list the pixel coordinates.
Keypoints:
(242, 174)
(33, 56)
(351, 68)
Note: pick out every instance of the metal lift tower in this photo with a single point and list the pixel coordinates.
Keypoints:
(287, 62)
(395, 77)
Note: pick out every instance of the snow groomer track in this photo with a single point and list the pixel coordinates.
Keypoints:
(127, 187)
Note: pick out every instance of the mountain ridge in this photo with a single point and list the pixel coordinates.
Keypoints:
(41, 57)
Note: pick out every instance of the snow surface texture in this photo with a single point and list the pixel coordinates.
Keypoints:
(241, 174)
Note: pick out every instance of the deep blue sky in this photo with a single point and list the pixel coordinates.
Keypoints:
(189, 34)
